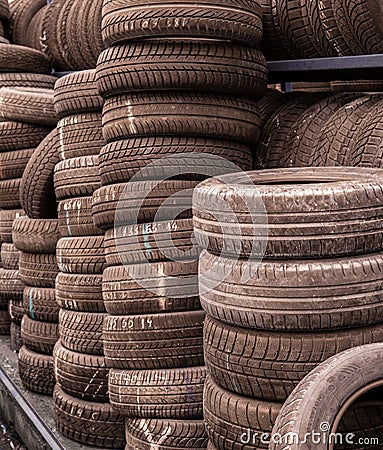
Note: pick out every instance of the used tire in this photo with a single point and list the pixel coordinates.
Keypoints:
(7, 218)
(13, 163)
(9, 256)
(39, 337)
(35, 235)
(81, 255)
(75, 218)
(38, 269)
(11, 286)
(36, 371)
(40, 304)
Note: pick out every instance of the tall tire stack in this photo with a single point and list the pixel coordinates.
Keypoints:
(183, 83)
(71, 33)
(27, 115)
(37, 239)
(80, 367)
(316, 292)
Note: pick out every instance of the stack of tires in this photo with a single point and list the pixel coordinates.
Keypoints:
(71, 33)
(28, 116)
(36, 239)
(80, 368)
(5, 17)
(316, 292)
(166, 94)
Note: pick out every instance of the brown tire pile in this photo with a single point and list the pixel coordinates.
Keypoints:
(320, 28)
(302, 130)
(316, 292)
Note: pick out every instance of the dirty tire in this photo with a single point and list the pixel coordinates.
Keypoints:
(75, 218)
(37, 188)
(94, 423)
(80, 292)
(238, 21)
(16, 341)
(38, 269)
(172, 393)
(174, 65)
(348, 373)
(9, 257)
(165, 434)
(81, 255)
(16, 311)
(19, 136)
(36, 371)
(155, 288)
(5, 323)
(140, 202)
(6, 221)
(181, 114)
(154, 158)
(76, 177)
(341, 228)
(13, 163)
(35, 235)
(39, 337)
(17, 58)
(276, 361)
(247, 417)
(168, 340)
(40, 304)
(27, 80)
(11, 286)
(81, 376)
(10, 193)
(82, 332)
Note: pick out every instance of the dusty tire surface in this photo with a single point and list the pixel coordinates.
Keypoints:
(39, 337)
(75, 217)
(36, 371)
(35, 235)
(40, 304)
(38, 269)
(83, 255)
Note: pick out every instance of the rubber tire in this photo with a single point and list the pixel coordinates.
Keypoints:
(37, 188)
(162, 157)
(81, 332)
(36, 371)
(39, 337)
(248, 418)
(81, 255)
(151, 289)
(16, 311)
(81, 376)
(17, 58)
(90, 423)
(80, 292)
(76, 177)
(75, 218)
(272, 363)
(40, 304)
(295, 229)
(6, 221)
(27, 80)
(346, 373)
(38, 269)
(209, 66)
(35, 235)
(15, 340)
(138, 202)
(11, 286)
(172, 393)
(160, 341)
(9, 257)
(10, 193)
(232, 20)
(13, 163)
(192, 114)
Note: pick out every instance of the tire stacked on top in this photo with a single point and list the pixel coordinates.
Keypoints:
(37, 239)
(168, 91)
(5, 17)
(71, 33)
(316, 292)
(27, 116)
(80, 368)
(300, 29)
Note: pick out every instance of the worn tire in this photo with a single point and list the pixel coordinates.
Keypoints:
(36, 371)
(17, 58)
(273, 363)
(38, 269)
(347, 373)
(233, 20)
(81, 332)
(90, 423)
(81, 376)
(251, 418)
(9, 257)
(75, 218)
(16, 341)
(181, 114)
(39, 337)
(295, 230)
(11, 286)
(16, 311)
(6, 221)
(76, 177)
(13, 163)
(171, 393)
(40, 304)
(27, 80)
(209, 66)
(81, 255)
(158, 341)
(35, 235)
(137, 202)
(37, 188)
(10, 193)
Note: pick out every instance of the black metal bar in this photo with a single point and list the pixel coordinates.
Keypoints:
(30, 412)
